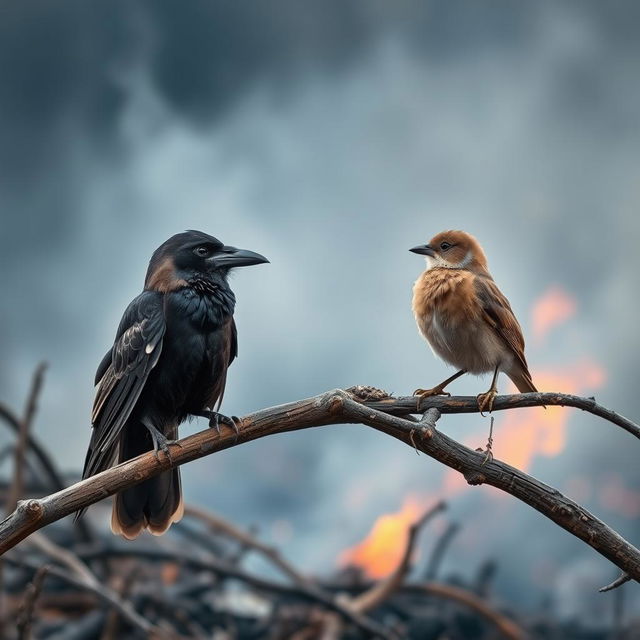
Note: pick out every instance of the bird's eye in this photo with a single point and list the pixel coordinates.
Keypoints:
(445, 245)
(203, 252)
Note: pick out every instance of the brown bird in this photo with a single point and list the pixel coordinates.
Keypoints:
(466, 319)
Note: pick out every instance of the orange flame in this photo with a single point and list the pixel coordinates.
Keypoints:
(552, 309)
(523, 434)
(380, 552)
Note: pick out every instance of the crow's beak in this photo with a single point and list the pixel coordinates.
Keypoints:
(424, 250)
(229, 257)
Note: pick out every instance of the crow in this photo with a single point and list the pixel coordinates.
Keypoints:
(168, 362)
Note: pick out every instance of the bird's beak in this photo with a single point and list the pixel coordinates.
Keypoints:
(229, 257)
(424, 250)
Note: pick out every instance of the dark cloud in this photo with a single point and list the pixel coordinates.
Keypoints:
(330, 137)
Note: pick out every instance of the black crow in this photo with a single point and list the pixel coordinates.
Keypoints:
(169, 361)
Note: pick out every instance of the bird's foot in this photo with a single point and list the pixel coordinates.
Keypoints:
(435, 391)
(485, 401)
(438, 390)
(161, 443)
(216, 419)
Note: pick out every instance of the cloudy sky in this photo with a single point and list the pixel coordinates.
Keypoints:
(331, 137)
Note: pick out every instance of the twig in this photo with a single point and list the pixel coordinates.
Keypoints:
(123, 589)
(63, 556)
(338, 407)
(25, 616)
(439, 549)
(505, 625)
(619, 581)
(56, 481)
(484, 578)
(384, 589)
(218, 566)
(103, 592)
(469, 404)
(23, 437)
(216, 523)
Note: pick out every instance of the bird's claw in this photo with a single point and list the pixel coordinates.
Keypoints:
(435, 391)
(162, 443)
(485, 401)
(427, 393)
(215, 419)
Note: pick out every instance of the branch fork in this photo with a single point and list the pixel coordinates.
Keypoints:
(378, 410)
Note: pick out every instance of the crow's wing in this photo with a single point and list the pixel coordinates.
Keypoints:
(233, 347)
(122, 376)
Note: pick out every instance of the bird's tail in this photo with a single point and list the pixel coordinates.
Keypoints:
(153, 504)
(522, 379)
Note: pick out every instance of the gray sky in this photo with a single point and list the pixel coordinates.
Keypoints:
(331, 138)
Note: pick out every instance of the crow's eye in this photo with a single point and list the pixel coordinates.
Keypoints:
(445, 245)
(203, 252)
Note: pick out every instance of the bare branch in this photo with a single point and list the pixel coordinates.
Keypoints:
(64, 557)
(439, 549)
(469, 404)
(506, 626)
(55, 478)
(103, 592)
(56, 481)
(23, 437)
(25, 616)
(220, 567)
(618, 582)
(338, 407)
(216, 523)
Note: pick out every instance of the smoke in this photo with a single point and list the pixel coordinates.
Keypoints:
(330, 138)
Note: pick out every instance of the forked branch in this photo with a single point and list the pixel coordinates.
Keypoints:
(377, 410)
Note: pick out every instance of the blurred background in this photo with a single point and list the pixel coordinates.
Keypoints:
(331, 137)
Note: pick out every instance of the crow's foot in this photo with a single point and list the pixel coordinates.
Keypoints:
(161, 442)
(216, 419)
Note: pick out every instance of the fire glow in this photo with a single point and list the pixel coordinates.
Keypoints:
(552, 309)
(380, 552)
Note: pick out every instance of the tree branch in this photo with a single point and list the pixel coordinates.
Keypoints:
(23, 437)
(101, 591)
(469, 404)
(506, 626)
(340, 407)
(216, 523)
(218, 566)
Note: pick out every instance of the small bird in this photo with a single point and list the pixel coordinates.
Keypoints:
(466, 319)
(168, 362)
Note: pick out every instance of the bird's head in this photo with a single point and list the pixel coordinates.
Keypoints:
(192, 255)
(453, 250)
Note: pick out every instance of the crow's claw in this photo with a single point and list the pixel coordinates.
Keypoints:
(215, 419)
(162, 443)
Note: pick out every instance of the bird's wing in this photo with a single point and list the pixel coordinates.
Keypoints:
(134, 354)
(233, 347)
(497, 312)
(228, 349)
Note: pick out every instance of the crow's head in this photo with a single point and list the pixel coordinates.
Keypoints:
(192, 255)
